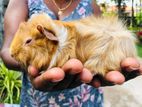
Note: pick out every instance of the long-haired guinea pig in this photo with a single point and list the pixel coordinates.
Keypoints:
(99, 43)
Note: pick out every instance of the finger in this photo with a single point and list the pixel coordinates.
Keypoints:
(130, 64)
(115, 77)
(73, 66)
(75, 80)
(55, 75)
(48, 79)
(130, 68)
(70, 81)
(86, 76)
(83, 77)
(111, 78)
(33, 72)
(141, 69)
(96, 83)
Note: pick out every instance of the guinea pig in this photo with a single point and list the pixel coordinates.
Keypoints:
(99, 43)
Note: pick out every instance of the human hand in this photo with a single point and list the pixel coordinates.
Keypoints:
(59, 78)
(72, 74)
(130, 68)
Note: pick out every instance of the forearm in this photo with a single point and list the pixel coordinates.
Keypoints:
(16, 13)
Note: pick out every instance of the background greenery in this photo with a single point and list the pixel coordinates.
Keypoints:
(10, 85)
(139, 48)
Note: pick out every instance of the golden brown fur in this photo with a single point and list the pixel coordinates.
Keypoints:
(100, 43)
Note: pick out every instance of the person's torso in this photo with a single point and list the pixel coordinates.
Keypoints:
(83, 9)
(81, 96)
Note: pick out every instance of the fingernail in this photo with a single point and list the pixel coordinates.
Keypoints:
(29, 68)
(85, 82)
(57, 80)
(41, 72)
(74, 72)
(132, 69)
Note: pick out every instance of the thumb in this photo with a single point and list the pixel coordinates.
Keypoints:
(33, 72)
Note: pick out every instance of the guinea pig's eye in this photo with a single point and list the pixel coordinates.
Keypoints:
(28, 41)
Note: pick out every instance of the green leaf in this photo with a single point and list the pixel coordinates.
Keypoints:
(10, 85)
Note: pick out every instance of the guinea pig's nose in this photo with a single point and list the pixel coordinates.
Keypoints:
(12, 55)
(12, 52)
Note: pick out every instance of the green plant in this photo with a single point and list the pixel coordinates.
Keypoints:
(10, 85)
(110, 14)
(139, 18)
(139, 48)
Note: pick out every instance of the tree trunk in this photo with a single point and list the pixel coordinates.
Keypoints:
(119, 7)
(132, 13)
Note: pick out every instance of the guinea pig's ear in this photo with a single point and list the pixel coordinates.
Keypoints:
(50, 35)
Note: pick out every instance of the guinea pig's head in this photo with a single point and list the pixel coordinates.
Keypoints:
(33, 44)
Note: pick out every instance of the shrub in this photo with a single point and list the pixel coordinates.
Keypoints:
(10, 85)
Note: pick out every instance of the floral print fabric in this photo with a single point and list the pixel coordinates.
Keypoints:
(81, 96)
(83, 9)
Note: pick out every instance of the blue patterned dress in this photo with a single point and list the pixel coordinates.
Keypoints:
(81, 96)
